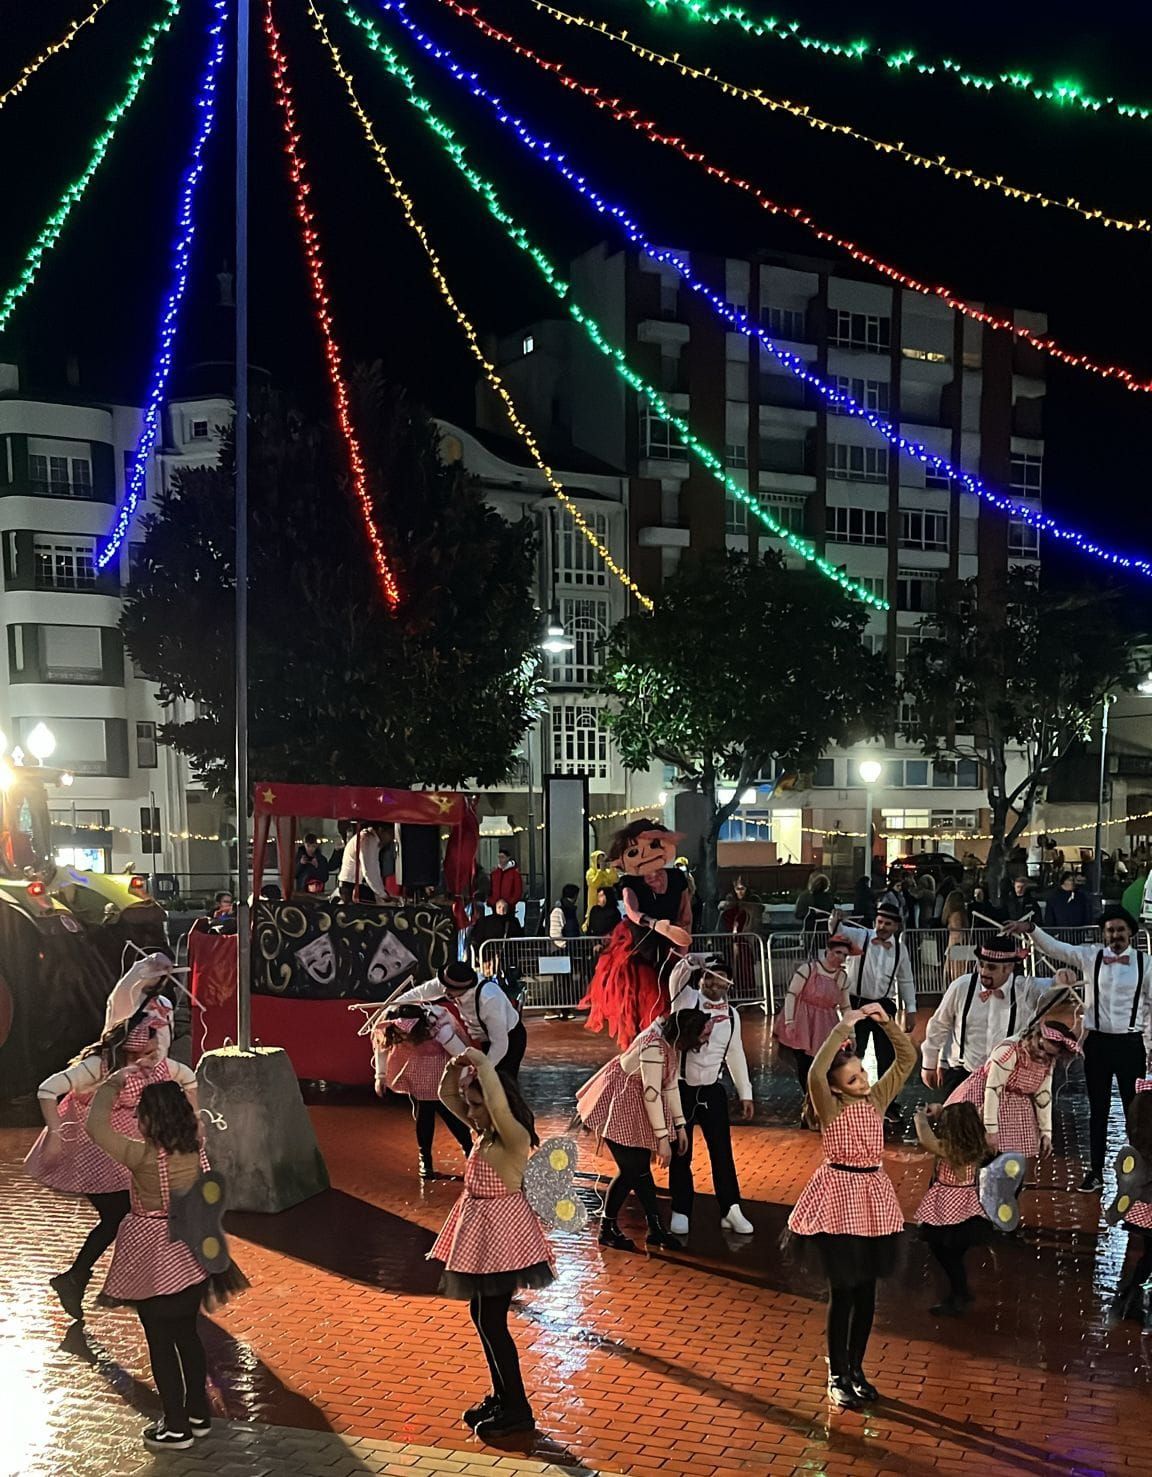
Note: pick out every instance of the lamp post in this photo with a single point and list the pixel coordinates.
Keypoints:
(870, 771)
(555, 642)
(1097, 840)
(243, 938)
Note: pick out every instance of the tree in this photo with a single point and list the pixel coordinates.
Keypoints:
(342, 690)
(742, 660)
(1018, 667)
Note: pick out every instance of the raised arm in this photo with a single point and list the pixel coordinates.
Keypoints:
(825, 1102)
(900, 1070)
(116, 1145)
(512, 1133)
(1057, 948)
(494, 1021)
(924, 1133)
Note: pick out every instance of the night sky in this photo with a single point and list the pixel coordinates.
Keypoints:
(98, 297)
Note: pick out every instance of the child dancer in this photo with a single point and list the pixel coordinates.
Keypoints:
(1013, 1089)
(150, 1271)
(950, 1216)
(493, 1242)
(1133, 1297)
(848, 1212)
(817, 997)
(633, 1104)
(411, 1046)
(65, 1159)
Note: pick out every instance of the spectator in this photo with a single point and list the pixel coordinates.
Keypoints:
(863, 902)
(954, 917)
(311, 865)
(564, 922)
(506, 881)
(1022, 902)
(224, 913)
(818, 897)
(741, 911)
(605, 912)
(1068, 905)
(494, 928)
(926, 904)
(899, 896)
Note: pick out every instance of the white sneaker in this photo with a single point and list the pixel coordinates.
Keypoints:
(736, 1221)
(678, 1225)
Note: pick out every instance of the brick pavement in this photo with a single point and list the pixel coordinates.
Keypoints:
(342, 1358)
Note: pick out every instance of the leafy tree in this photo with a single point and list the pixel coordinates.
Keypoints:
(342, 690)
(742, 660)
(1012, 675)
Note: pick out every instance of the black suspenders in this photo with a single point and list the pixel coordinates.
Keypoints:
(1138, 994)
(973, 981)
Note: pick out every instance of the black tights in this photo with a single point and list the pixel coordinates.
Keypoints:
(425, 1114)
(490, 1315)
(111, 1208)
(850, 1313)
(953, 1265)
(633, 1172)
(177, 1355)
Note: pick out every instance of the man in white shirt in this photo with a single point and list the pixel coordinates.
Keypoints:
(360, 867)
(1117, 1018)
(978, 1011)
(879, 970)
(702, 982)
(492, 1020)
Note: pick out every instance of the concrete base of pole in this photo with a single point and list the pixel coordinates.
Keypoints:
(267, 1151)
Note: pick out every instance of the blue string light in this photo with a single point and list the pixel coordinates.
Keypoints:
(737, 317)
(169, 321)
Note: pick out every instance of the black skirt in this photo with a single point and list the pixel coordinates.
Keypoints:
(845, 1260)
(467, 1285)
(216, 1291)
(961, 1236)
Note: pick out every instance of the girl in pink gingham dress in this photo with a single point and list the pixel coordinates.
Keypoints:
(848, 1213)
(1134, 1295)
(1013, 1089)
(816, 999)
(493, 1243)
(950, 1215)
(411, 1046)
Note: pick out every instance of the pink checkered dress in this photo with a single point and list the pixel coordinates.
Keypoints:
(611, 1104)
(1018, 1131)
(1140, 1215)
(82, 1167)
(490, 1228)
(950, 1199)
(838, 1202)
(145, 1263)
(416, 1069)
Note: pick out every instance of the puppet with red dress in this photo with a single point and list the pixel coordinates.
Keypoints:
(629, 987)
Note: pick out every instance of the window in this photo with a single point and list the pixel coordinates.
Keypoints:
(900, 822)
(857, 525)
(925, 356)
(64, 566)
(579, 743)
(871, 394)
(875, 584)
(83, 820)
(916, 590)
(953, 820)
(824, 775)
(923, 530)
(199, 431)
(585, 620)
(908, 716)
(786, 323)
(736, 454)
(81, 745)
(735, 514)
(937, 480)
(146, 746)
(1023, 539)
(659, 441)
(857, 463)
(875, 642)
(787, 454)
(71, 654)
(528, 344)
(150, 842)
(1027, 474)
(964, 774)
(860, 330)
(906, 642)
(59, 476)
(576, 561)
(787, 511)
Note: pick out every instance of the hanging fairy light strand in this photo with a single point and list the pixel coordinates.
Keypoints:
(1067, 94)
(137, 473)
(736, 318)
(54, 49)
(49, 233)
(315, 263)
(620, 112)
(396, 184)
(519, 236)
(800, 111)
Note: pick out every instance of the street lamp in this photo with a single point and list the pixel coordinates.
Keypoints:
(42, 742)
(1146, 686)
(1097, 839)
(555, 642)
(556, 639)
(870, 771)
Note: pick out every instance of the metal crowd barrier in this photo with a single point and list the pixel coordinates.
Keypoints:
(936, 961)
(555, 976)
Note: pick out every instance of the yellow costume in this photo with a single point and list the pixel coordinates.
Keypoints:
(598, 876)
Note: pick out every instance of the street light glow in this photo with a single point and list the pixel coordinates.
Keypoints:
(870, 770)
(42, 742)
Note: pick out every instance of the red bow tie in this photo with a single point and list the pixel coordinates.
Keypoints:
(1117, 958)
(882, 943)
(987, 994)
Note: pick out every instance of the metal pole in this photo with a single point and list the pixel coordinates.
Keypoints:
(243, 938)
(1097, 870)
(870, 866)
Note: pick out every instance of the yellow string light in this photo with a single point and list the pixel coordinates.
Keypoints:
(802, 112)
(49, 52)
(396, 184)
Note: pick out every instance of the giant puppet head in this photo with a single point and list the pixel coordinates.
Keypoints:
(643, 848)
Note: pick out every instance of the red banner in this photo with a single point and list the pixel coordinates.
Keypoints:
(362, 803)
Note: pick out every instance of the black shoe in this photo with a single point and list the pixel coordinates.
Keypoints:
(199, 1425)
(1091, 1184)
(949, 1308)
(69, 1288)
(658, 1236)
(841, 1394)
(507, 1423)
(485, 1410)
(862, 1387)
(160, 1438)
(611, 1235)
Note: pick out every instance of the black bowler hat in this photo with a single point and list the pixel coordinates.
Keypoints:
(1116, 914)
(457, 976)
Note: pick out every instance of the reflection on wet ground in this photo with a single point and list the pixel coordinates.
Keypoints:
(707, 1362)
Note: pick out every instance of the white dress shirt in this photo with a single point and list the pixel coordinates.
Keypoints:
(873, 971)
(723, 1045)
(1108, 1009)
(361, 862)
(486, 1011)
(87, 1075)
(987, 1022)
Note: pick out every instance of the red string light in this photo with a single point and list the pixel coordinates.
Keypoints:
(314, 258)
(620, 113)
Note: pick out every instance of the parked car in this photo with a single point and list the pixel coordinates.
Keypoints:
(942, 866)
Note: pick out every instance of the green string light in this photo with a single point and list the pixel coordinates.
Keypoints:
(49, 233)
(596, 335)
(1064, 93)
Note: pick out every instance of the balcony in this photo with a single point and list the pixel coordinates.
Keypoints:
(663, 330)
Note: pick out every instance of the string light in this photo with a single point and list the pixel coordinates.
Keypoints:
(311, 242)
(137, 473)
(49, 233)
(620, 112)
(1066, 94)
(801, 111)
(736, 318)
(490, 372)
(49, 52)
(516, 233)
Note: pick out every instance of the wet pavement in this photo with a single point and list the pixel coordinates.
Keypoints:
(709, 1363)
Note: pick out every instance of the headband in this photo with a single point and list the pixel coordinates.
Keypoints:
(1067, 1041)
